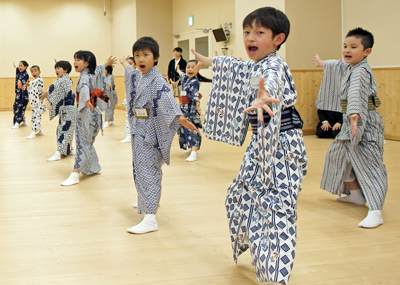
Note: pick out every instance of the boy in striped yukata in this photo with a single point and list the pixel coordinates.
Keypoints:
(354, 161)
(262, 200)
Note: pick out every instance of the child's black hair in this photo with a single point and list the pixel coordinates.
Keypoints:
(146, 43)
(271, 18)
(131, 58)
(199, 76)
(367, 39)
(36, 66)
(64, 65)
(89, 57)
(109, 69)
(178, 49)
(24, 63)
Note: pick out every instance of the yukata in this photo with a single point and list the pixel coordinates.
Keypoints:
(188, 139)
(61, 103)
(127, 126)
(153, 120)
(364, 152)
(39, 107)
(262, 200)
(89, 123)
(21, 96)
(112, 94)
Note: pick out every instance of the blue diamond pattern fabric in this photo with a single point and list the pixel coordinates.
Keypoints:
(262, 200)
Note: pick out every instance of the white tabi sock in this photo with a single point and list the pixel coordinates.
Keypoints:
(112, 123)
(192, 157)
(373, 219)
(127, 139)
(187, 150)
(355, 197)
(24, 124)
(72, 179)
(148, 224)
(41, 132)
(72, 152)
(32, 135)
(56, 156)
(16, 126)
(106, 125)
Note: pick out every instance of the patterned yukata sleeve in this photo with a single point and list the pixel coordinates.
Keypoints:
(84, 91)
(357, 100)
(329, 93)
(224, 120)
(132, 77)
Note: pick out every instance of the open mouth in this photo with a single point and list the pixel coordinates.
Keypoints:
(347, 56)
(252, 49)
(142, 66)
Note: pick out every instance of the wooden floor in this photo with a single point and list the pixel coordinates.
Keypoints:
(51, 234)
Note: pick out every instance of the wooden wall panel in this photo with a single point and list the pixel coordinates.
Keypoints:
(307, 85)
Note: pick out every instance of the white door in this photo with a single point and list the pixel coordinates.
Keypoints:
(202, 43)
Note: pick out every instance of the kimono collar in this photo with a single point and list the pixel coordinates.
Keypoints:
(65, 75)
(151, 72)
(86, 70)
(364, 61)
(272, 54)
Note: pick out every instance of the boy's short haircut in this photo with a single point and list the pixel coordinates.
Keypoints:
(64, 65)
(109, 69)
(24, 63)
(131, 58)
(178, 49)
(36, 66)
(146, 43)
(270, 18)
(367, 39)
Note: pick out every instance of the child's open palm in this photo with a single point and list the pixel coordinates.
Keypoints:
(261, 102)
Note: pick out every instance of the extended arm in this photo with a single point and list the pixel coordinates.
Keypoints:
(317, 61)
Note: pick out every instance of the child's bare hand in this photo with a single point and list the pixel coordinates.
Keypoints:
(202, 60)
(14, 65)
(317, 61)
(261, 101)
(325, 126)
(336, 126)
(55, 60)
(110, 61)
(89, 105)
(43, 96)
(198, 110)
(188, 125)
(354, 122)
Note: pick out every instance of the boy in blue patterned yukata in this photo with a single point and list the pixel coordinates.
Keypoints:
(61, 102)
(354, 161)
(89, 118)
(190, 107)
(154, 117)
(112, 94)
(21, 94)
(35, 88)
(262, 200)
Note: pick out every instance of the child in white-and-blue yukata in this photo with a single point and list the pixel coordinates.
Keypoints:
(35, 88)
(190, 107)
(21, 94)
(354, 162)
(112, 94)
(89, 117)
(262, 200)
(61, 103)
(154, 117)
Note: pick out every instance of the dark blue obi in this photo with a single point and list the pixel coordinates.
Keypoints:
(290, 119)
(70, 99)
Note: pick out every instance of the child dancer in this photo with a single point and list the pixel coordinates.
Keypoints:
(89, 117)
(61, 103)
(21, 94)
(35, 88)
(262, 200)
(112, 94)
(354, 161)
(127, 127)
(190, 107)
(154, 117)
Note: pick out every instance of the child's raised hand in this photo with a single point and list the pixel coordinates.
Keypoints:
(14, 65)
(124, 61)
(202, 60)
(317, 61)
(354, 122)
(89, 105)
(188, 125)
(261, 101)
(55, 60)
(111, 61)
(178, 69)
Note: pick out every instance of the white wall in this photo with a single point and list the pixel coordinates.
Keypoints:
(41, 30)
